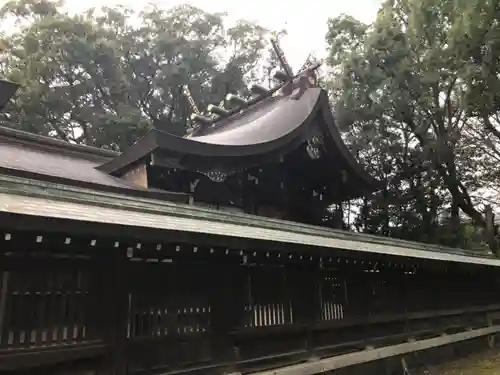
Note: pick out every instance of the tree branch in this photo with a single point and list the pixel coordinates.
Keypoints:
(490, 127)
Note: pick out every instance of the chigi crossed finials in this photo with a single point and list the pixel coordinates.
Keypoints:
(278, 148)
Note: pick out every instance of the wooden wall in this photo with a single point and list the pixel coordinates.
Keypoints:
(130, 306)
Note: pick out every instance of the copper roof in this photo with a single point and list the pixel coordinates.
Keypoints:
(255, 135)
(59, 202)
(263, 129)
(44, 158)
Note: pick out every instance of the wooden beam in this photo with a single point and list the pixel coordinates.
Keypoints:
(25, 359)
(370, 355)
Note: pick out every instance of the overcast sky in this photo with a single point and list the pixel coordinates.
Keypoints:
(304, 20)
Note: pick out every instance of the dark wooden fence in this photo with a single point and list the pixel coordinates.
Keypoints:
(121, 306)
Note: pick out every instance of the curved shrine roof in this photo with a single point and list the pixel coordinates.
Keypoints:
(264, 131)
(268, 122)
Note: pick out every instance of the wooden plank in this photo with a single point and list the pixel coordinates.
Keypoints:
(341, 361)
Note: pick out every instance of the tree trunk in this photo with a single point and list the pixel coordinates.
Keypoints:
(455, 224)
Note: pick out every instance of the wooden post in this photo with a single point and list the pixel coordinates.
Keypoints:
(116, 304)
(3, 300)
(304, 285)
(227, 308)
(491, 338)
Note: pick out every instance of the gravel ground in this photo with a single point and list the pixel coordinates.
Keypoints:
(487, 363)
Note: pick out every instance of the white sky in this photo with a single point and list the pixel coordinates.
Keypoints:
(304, 20)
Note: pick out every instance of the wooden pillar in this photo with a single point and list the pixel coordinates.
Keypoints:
(5, 297)
(116, 304)
(303, 283)
(490, 338)
(4, 285)
(227, 309)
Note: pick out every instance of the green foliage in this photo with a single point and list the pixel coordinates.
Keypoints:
(100, 79)
(416, 93)
(407, 98)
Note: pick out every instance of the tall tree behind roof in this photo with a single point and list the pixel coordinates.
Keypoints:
(407, 96)
(104, 77)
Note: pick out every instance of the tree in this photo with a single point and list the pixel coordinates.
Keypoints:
(98, 79)
(403, 89)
